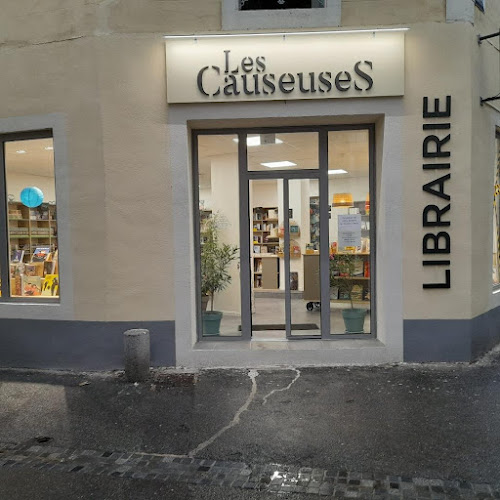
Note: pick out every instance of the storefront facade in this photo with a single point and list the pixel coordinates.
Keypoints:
(342, 160)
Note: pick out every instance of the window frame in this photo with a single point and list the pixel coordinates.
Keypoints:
(284, 8)
(245, 176)
(46, 133)
(235, 19)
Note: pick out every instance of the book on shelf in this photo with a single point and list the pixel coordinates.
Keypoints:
(359, 267)
(17, 256)
(357, 292)
(50, 287)
(34, 269)
(40, 254)
(32, 285)
(16, 279)
(55, 262)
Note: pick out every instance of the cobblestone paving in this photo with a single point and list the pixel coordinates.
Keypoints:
(271, 478)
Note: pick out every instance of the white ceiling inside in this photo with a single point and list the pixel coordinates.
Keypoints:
(36, 159)
(348, 150)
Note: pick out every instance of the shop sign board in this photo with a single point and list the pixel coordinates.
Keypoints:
(269, 68)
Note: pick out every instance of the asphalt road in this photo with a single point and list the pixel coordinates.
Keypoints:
(426, 421)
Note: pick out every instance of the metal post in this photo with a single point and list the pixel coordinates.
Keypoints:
(137, 355)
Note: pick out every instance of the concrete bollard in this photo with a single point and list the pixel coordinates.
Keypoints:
(137, 354)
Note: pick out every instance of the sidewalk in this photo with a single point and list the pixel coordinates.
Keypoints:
(375, 424)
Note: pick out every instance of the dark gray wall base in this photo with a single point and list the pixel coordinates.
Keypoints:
(485, 332)
(451, 339)
(78, 345)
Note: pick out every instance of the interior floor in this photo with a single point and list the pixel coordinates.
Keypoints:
(270, 311)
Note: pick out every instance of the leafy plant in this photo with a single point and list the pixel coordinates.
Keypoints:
(341, 270)
(215, 258)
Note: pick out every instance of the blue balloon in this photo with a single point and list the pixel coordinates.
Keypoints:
(32, 196)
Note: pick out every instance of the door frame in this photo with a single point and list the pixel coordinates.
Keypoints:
(245, 268)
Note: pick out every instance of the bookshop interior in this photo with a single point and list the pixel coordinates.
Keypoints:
(349, 233)
(32, 218)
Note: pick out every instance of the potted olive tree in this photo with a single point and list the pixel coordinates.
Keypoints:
(215, 259)
(341, 272)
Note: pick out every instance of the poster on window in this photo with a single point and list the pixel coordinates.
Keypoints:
(349, 230)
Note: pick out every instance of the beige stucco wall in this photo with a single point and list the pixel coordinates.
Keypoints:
(101, 65)
(466, 71)
(25, 22)
(431, 72)
(61, 78)
(111, 91)
(389, 12)
(137, 182)
(485, 119)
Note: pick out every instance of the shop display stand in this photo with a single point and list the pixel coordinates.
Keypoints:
(265, 243)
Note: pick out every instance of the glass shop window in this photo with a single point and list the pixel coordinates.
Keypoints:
(350, 232)
(496, 217)
(32, 253)
(280, 4)
(218, 218)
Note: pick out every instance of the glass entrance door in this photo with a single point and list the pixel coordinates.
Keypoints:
(283, 171)
(284, 264)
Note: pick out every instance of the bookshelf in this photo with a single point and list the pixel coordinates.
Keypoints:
(361, 294)
(32, 227)
(265, 244)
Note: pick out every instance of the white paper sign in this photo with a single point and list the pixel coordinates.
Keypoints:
(349, 230)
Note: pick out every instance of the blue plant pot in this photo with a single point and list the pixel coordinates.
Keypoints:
(211, 323)
(354, 320)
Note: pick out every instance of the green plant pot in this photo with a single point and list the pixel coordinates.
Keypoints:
(211, 323)
(354, 320)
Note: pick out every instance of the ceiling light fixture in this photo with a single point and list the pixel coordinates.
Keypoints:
(337, 171)
(342, 200)
(20, 151)
(279, 164)
(285, 34)
(49, 148)
(257, 141)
